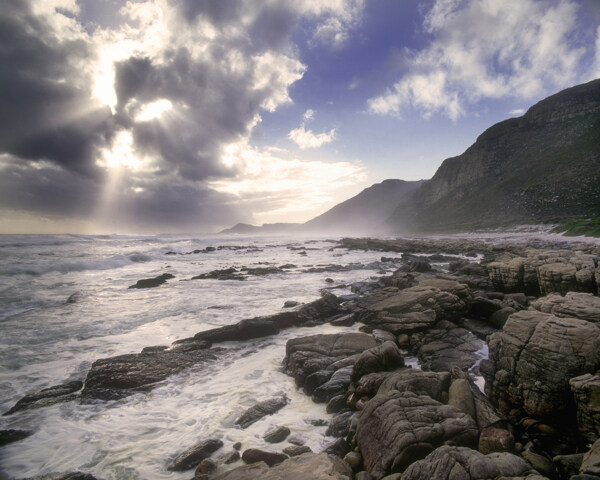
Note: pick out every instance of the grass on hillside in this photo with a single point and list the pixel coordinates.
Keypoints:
(589, 227)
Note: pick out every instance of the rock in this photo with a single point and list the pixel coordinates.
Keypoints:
(307, 355)
(393, 476)
(381, 336)
(539, 463)
(296, 440)
(533, 358)
(222, 274)
(337, 448)
(580, 305)
(483, 307)
(354, 459)
(295, 450)
(363, 476)
(206, 466)
(450, 463)
(499, 317)
(381, 358)
(311, 466)
(237, 446)
(334, 387)
(336, 404)
(397, 428)
(568, 465)
(193, 456)
(254, 455)
(419, 266)
(591, 461)
(338, 427)
(557, 277)
(63, 476)
(153, 282)
(518, 275)
(260, 410)
(432, 384)
(494, 439)
(404, 322)
(290, 304)
(446, 345)
(11, 436)
(276, 435)
(461, 397)
(118, 377)
(47, 396)
(230, 457)
(586, 392)
(343, 321)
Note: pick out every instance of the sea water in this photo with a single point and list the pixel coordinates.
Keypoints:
(65, 302)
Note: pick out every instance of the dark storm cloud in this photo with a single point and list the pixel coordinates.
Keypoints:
(46, 111)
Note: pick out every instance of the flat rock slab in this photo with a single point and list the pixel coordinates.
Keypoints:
(432, 384)
(153, 282)
(192, 457)
(260, 410)
(311, 466)
(11, 436)
(118, 377)
(48, 396)
(586, 391)
(450, 463)
(397, 428)
(584, 306)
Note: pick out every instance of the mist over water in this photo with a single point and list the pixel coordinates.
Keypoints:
(65, 302)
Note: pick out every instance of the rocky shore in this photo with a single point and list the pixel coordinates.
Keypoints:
(525, 317)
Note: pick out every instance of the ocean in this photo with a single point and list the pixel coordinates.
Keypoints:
(65, 302)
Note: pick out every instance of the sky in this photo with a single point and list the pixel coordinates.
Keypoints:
(166, 116)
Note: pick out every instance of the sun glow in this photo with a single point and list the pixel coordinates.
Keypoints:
(121, 153)
(153, 110)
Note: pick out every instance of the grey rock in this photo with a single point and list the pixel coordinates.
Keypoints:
(11, 436)
(584, 306)
(260, 410)
(568, 465)
(194, 455)
(152, 282)
(254, 455)
(311, 466)
(295, 450)
(354, 459)
(382, 336)
(384, 357)
(586, 392)
(47, 396)
(432, 384)
(63, 476)
(338, 427)
(494, 439)
(450, 463)
(591, 461)
(397, 428)
(276, 435)
(337, 448)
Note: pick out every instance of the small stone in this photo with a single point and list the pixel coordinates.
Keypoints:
(329, 280)
(539, 463)
(229, 457)
(290, 304)
(237, 446)
(295, 450)
(253, 455)
(354, 459)
(296, 440)
(337, 448)
(363, 475)
(276, 435)
(206, 466)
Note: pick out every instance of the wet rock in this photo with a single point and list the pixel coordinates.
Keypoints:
(64, 476)
(48, 396)
(381, 336)
(483, 307)
(450, 462)
(260, 410)
(584, 306)
(118, 377)
(533, 358)
(221, 274)
(539, 463)
(461, 397)
(586, 392)
(494, 439)
(206, 466)
(446, 345)
(336, 404)
(296, 440)
(254, 455)
(262, 271)
(397, 428)
(486, 414)
(276, 435)
(230, 457)
(337, 448)
(343, 321)
(384, 357)
(568, 465)
(335, 386)
(153, 282)
(432, 384)
(194, 455)
(363, 476)
(290, 304)
(338, 427)
(295, 450)
(499, 317)
(354, 459)
(11, 436)
(307, 355)
(311, 466)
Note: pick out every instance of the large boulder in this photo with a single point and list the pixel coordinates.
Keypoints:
(446, 345)
(454, 463)
(586, 392)
(308, 355)
(533, 358)
(314, 466)
(384, 357)
(397, 428)
(432, 384)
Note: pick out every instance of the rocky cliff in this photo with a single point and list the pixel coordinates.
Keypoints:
(541, 167)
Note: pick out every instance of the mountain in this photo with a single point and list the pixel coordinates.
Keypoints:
(541, 167)
(366, 212)
(267, 228)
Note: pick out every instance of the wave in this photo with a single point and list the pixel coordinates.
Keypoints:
(68, 267)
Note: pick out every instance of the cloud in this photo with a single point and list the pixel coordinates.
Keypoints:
(483, 49)
(142, 103)
(517, 111)
(278, 187)
(306, 138)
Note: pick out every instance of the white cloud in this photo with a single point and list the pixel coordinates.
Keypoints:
(517, 111)
(307, 139)
(335, 19)
(486, 49)
(279, 188)
(309, 114)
